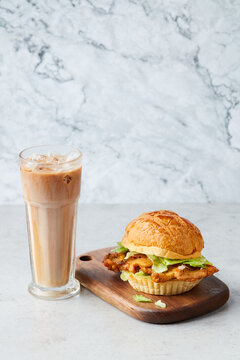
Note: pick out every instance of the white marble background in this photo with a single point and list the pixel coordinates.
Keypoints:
(148, 89)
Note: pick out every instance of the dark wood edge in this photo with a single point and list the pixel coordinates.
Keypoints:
(146, 314)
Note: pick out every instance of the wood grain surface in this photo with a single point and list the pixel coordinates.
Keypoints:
(209, 295)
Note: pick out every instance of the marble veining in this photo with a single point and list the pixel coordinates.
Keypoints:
(148, 90)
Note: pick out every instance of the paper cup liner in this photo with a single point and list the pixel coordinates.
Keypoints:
(171, 287)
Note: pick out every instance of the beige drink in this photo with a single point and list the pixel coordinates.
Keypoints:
(51, 188)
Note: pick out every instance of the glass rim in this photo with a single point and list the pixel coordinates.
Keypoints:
(50, 163)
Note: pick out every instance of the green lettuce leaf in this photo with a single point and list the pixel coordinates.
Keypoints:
(120, 248)
(198, 262)
(172, 261)
(140, 274)
(125, 275)
(158, 264)
(141, 298)
(161, 264)
(160, 304)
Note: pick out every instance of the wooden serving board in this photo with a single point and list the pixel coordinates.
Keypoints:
(209, 295)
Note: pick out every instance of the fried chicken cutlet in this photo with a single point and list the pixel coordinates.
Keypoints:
(140, 262)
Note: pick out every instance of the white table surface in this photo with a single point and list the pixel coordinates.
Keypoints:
(85, 327)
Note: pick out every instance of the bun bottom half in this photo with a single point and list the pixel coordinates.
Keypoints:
(171, 287)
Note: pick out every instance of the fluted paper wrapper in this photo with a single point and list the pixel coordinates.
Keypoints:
(171, 287)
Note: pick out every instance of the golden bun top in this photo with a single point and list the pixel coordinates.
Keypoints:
(163, 233)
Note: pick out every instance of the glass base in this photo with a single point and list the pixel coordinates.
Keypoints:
(64, 292)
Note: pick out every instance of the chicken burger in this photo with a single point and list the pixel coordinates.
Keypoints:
(160, 254)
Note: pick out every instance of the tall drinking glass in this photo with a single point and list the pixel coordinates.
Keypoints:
(51, 181)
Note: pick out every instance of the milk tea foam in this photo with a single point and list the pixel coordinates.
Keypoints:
(51, 188)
